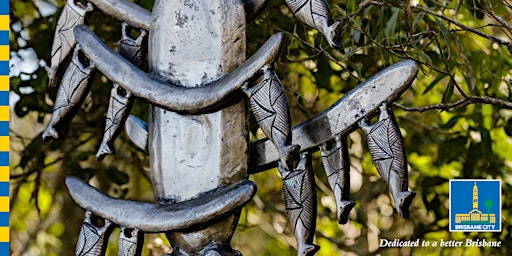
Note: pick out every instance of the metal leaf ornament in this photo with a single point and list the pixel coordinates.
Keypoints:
(386, 147)
(64, 40)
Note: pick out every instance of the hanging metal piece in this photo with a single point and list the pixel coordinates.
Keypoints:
(91, 241)
(128, 241)
(300, 202)
(386, 147)
(137, 131)
(272, 113)
(72, 92)
(342, 116)
(337, 167)
(316, 14)
(64, 40)
(121, 100)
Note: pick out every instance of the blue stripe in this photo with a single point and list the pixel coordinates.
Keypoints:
(4, 37)
(4, 7)
(4, 98)
(4, 188)
(4, 219)
(4, 158)
(4, 248)
(4, 68)
(4, 128)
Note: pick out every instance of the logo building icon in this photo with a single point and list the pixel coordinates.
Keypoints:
(475, 205)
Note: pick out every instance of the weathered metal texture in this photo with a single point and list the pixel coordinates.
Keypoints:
(121, 100)
(128, 242)
(72, 92)
(199, 45)
(300, 202)
(168, 95)
(91, 241)
(163, 216)
(342, 116)
(137, 132)
(316, 14)
(386, 147)
(64, 38)
(198, 117)
(125, 11)
(270, 108)
(336, 163)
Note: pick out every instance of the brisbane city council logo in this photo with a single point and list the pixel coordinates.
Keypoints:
(475, 205)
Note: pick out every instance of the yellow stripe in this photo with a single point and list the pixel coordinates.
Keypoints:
(4, 173)
(4, 83)
(4, 234)
(4, 204)
(4, 143)
(4, 113)
(4, 22)
(4, 52)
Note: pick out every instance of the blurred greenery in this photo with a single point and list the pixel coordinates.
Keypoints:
(456, 120)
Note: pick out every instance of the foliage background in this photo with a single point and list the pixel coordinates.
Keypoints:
(456, 120)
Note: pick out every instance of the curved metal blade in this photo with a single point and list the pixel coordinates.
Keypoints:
(163, 216)
(166, 95)
(125, 11)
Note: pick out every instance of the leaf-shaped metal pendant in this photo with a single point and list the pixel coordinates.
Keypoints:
(72, 92)
(386, 147)
(120, 99)
(300, 203)
(91, 240)
(316, 14)
(128, 240)
(64, 40)
(337, 167)
(272, 113)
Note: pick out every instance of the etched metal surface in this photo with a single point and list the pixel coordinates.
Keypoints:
(128, 242)
(271, 111)
(337, 167)
(72, 92)
(164, 215)
(316, 14)
(386, 147)
(197, 117)
(120, 99)
(137, 132)
(167, 95)
(91, 241)
(342, 116)
(64, 38)
(300, 202)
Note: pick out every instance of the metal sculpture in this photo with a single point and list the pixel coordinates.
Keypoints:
(197, 128)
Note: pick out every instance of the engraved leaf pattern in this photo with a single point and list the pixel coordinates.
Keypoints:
(64, 38)
(72, 91)
(385, 144)
(314, 13)
(300, 200)
(126, 247)
(270, 109)
(90, 241)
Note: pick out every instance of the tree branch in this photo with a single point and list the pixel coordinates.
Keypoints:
(458, 104)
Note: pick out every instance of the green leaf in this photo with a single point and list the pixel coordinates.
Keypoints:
(434, 83)
(448, 92)
(391, 25)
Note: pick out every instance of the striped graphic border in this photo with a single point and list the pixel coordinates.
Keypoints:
(4, 127)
